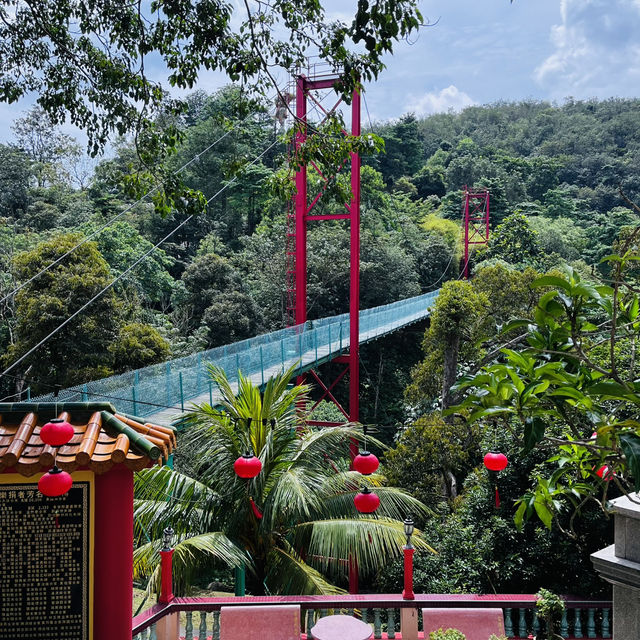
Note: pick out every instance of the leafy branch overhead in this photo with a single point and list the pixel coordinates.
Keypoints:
(89, 63)
(571, 388)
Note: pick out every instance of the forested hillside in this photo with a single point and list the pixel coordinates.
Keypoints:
(562, 181)
(220, 278)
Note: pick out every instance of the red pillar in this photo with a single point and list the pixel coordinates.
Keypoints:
(113, 555)
(166, 572)
(407, 592)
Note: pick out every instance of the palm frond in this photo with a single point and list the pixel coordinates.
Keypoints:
(166, 497)
(191, 555)
(289, 574)
(370, 541)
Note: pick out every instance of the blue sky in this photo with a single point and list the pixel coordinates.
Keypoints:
(482, 51)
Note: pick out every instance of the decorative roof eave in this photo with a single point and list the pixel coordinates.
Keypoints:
(102, 438)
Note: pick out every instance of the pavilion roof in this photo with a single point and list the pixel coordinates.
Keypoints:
(102, 438)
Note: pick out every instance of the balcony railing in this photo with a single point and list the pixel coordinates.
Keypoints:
(582, 619)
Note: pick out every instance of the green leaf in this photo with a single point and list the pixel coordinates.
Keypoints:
(518, 519)
(551, 281)
(630, 445)
(489, 411)
(534, 429)
(611, 389)
(514, 324)
(544, 513)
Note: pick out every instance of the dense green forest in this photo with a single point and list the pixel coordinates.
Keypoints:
(561, 178)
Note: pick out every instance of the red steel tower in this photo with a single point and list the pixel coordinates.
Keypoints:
(476, 221)
(301, 213)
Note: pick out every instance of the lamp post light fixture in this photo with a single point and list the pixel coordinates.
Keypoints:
(408, 550)
(166, 566)
(167, 538)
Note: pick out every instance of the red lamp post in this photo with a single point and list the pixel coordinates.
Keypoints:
(166, 567)
(408, 549)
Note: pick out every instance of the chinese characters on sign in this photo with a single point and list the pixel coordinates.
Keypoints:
(44, 563)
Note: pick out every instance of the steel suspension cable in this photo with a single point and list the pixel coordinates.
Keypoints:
(123, 212)
(129, 269)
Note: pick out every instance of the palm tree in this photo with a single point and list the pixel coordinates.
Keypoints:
(295, 525)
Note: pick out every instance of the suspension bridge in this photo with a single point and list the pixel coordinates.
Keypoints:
(162, 392)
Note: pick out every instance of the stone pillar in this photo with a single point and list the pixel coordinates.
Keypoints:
(619, 564)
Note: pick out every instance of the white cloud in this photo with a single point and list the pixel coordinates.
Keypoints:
(596, 48)
(448, 99)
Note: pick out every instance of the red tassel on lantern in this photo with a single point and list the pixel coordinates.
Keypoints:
(497, 498)
(256, 512)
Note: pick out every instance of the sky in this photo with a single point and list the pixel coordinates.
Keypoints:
(483, 51)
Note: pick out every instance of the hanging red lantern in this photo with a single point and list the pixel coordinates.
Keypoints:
(495, 461)
(54, 483)
(56, 432)
(247, 466)
(366, 463)
(366, 501)
(604, 472)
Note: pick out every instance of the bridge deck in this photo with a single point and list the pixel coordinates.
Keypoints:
(161, 392)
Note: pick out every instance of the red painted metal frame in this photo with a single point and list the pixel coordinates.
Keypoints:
(476, 221)
(303, 215)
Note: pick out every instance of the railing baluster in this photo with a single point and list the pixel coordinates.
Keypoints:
(577, 624)
(508, 624)
(606, 631)
(564, 625)
(377, 624)
(591, 623)
(522, 624)
(202, 635)
(536, 623)
(364, 613)
(215, 626)
(153, 634)
(324, 613)
(188, 630)
(309, 621)
(391, 623)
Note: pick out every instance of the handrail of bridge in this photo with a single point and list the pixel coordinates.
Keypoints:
(582, 618)
(144, 392)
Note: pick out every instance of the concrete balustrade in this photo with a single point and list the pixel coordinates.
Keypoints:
(385, 613)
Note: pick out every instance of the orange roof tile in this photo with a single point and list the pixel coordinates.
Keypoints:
(102, 437)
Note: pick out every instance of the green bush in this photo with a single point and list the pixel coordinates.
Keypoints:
(449, 634)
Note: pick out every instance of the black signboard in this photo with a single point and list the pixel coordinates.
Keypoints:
(45, 562)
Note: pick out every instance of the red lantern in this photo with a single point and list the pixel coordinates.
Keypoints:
(56, 432)
(495, 461)
(55, 483)
(366, 501)
(604, 472)
(365, 463)
(247, 466)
